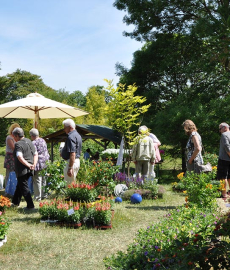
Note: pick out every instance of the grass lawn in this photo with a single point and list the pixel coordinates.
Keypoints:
(35, 245)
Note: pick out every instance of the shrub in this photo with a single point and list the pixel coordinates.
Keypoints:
(173, 243)
(54, 177)
(211, 158)
(199, 189)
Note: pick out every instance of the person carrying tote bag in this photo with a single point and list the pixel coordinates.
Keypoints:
(194, 159)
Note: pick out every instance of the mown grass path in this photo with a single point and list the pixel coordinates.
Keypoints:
(34, 245)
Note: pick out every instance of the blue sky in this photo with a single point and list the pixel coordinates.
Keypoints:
(71, 44)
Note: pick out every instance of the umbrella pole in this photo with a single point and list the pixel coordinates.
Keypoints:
(36, 118)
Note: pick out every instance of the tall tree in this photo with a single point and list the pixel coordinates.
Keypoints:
(183, 68)
(207, 19)
(20, 83)
(17, 85)
(95, 105)
(77, 99)
(125, 111)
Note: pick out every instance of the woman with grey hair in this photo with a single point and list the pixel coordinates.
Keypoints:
(43, 157)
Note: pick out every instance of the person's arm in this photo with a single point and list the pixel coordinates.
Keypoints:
(152, 152)
(10, 143)
(23, 161)
(35, 159)
(71, 162)
(197, 148)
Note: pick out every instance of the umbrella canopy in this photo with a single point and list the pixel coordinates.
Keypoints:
(36, 106)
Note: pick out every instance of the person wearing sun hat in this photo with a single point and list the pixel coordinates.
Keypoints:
(143, 152)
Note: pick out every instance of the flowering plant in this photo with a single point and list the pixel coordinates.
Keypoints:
(4, 226)
(63, 214)
(137, 183)
(4, 203)
(48, 210)
(102, 213)
(200, 190)
(102, 172)
(82, 192)
(173, 243)
(58, 210)
(54, 177)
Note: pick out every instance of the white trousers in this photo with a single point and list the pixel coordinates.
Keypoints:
(39, 181)
(76, 167)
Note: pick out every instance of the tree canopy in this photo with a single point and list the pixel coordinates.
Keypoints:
(183, 67)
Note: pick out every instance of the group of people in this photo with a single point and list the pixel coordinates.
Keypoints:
(27, 158)
(194, 153)
(145, 153)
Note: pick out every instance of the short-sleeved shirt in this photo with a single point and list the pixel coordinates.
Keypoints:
(73, 144)
(28, 151)
(190, 148)
(43, 154)
(224, 146)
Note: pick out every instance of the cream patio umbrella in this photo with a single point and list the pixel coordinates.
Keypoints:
(37, 107)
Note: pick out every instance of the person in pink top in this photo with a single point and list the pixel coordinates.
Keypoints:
(156, 144)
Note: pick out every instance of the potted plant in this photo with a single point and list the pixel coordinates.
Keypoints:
(48, 210)
(4, 203)
(4, 226)
(102, 214)
(74, 218)
(81, 192)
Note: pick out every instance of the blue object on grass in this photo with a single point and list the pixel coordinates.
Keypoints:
(118, 199)
(136, 198)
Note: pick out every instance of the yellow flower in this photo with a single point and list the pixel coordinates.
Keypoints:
(214, 168)
(209, 186)
(185, 191)
(180, 175)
